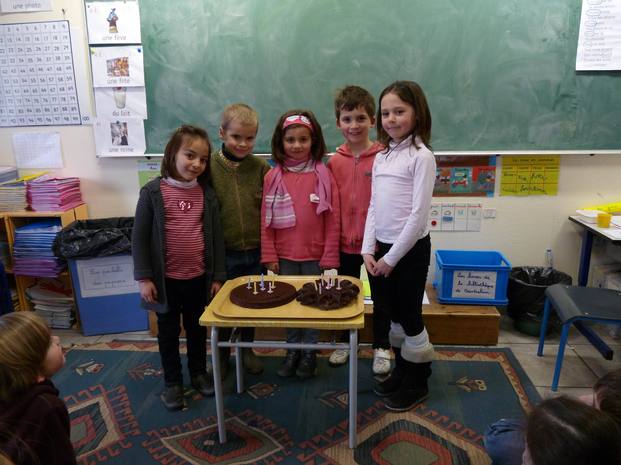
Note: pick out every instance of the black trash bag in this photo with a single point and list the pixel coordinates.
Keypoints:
(526, 294)
(95, 238)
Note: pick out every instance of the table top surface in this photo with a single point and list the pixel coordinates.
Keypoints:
(294, 314)
(613, 234)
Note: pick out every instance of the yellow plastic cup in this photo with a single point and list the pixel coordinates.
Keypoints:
(603, 220)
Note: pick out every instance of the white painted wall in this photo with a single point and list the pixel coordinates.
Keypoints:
(522, 229)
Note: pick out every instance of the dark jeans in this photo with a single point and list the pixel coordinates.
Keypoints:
(187, 298)
(401, 293)
(290, 267)
(505, 441)
(350, 266)
(241, 263)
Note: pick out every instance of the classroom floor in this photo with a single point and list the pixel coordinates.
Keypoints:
(582, 366)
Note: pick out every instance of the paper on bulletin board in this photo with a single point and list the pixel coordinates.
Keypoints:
(117, 66)
(465, 176)
(524, 175)
(599, 40)
(37, 150)
(147, 170)
(121, 102)
(113, 22)
(119, 137)
(20, 6)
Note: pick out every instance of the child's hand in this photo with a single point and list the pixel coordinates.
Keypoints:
(148, 292)
(369, 263)
(273, 267)
(215, 287)
(382, 268)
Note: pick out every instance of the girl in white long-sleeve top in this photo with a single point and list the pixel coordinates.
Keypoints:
(396, 246)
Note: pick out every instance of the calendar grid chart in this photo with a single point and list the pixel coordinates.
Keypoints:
(37, 76)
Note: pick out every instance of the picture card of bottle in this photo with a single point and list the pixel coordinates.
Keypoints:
(121, 102)
(117, 66)
(113, 22)
(121, 137)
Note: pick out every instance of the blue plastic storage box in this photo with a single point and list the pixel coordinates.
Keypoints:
(107, 296)
(476, 277)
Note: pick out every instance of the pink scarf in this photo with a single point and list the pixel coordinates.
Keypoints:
(279, 212)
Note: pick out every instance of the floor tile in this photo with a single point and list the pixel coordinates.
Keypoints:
(596, 362)
(545, 392)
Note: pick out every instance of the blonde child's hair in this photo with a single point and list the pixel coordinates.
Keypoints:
(240, 112)
(24, 342)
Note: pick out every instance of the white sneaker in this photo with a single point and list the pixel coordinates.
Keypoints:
(381, 361)
(339, 357)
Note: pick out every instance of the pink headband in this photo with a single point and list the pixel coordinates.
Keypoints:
(297, 119)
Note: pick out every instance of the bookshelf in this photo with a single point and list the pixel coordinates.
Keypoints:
(15, 219)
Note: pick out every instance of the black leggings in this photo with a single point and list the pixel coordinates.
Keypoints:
(401, 293)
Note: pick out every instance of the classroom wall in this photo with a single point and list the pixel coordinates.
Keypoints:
(522, 230)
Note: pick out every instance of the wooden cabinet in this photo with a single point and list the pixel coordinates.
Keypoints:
(12, 221)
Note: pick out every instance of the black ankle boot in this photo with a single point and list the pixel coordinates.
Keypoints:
(413, 388)
(288, 367)
(390, 385)
(308, 365)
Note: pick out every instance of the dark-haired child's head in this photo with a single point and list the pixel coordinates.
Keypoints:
(28, 353)
(403, 111)
(607, 394)
(186, 156)
(354, 108)
(298, 137)
(566, 431)
(238, 129)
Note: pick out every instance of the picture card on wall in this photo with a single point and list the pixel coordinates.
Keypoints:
(121, 102)
(18, 6)
(119, 137)
(113, 22)
(117, 66)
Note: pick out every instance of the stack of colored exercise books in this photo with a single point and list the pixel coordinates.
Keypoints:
(52, 300)
(13, 193)
(32, 250)
(46, 193)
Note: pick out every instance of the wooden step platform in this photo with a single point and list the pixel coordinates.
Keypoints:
(446, 324)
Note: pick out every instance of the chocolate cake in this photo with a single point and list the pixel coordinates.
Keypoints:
(282, 294)
(339, 295)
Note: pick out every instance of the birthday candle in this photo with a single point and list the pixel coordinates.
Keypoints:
(249, 282)
(320, 287)
(273, 281)
(255, 288)
(338, 284)
(269, 290)
(262, 283)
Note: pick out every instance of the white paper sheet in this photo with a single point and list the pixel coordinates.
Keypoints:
(37, 150)
(117, 66)
(21, 6)
(82, 81)
(113, 22)
(121, 102)
(119, 138)
(599, 40)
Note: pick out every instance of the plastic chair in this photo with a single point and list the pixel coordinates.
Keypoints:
(573, 304)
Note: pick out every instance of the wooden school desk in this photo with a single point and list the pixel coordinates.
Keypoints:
(222, 313)
(589, 231)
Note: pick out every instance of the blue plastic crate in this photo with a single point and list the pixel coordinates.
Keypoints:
(477, 277)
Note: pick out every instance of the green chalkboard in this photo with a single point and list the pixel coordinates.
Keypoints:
(499, 74)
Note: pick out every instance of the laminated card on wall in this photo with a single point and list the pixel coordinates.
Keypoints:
(119, 138)
(113, 22)
(117, 66)
(121, 102)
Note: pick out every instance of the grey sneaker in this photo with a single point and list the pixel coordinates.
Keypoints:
(172, 397)
(252, 363)
(203, 384)
(307, 366)
(338, 357)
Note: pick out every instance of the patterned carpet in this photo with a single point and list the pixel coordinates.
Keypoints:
(111, 390)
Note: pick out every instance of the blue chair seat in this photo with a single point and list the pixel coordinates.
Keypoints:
(574, 304)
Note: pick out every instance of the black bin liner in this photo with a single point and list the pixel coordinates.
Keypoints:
(526, 294)
(95, 238)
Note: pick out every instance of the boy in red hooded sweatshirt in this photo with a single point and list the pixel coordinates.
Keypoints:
(351, 166)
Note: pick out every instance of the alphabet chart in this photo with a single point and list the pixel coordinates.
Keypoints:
(37, 77)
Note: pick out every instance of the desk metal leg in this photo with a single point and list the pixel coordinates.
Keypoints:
(353, 386)
(239, 372)
(217, 382)
(585, 258)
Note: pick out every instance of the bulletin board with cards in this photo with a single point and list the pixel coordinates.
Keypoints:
(37, 76)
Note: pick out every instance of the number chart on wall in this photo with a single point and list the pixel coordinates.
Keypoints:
(37, 77)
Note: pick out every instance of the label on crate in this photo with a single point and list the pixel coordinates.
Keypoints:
(473, 284)
(107, 276)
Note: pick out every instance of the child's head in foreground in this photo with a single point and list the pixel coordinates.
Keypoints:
(354, 108)
(186, 156)
(238, 129)
(297, 138)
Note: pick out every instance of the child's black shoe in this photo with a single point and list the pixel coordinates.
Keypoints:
(307, 366)
(406, 398)
(288, 367)
(203, 384)
(172, 397)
